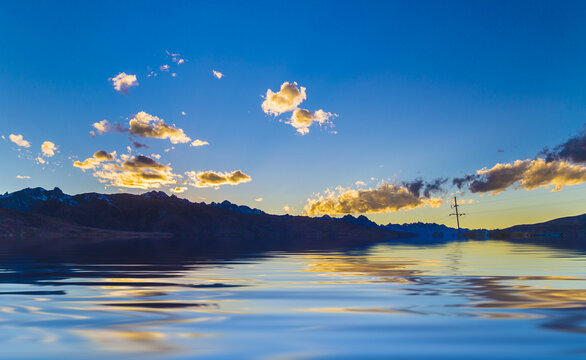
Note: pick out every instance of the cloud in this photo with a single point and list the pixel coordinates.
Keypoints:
(23, 177)
(420, 187)
(156, 156)
(287, 209)
(302, 119)
(138, 145)
(146, 125)
(286, 99)
(102, 126)
(48, 148)
(91, 163)
(18, 140)
(259, 199)
(178, 189)
(573, 150)
(122, 82)
(385, 198)
(218, 74)
(528, 175)
(164, 67)
(40, 160)
(138, 172)
(183, 113)
(198, 142)
(214, 179)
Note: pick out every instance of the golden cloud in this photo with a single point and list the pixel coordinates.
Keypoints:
(102, 126)
(19, 140)
(217, 74)
(91, 163)
(146, 125)
(213, 179)
(48, 148)
(178, 189)
(528, 175)
(302, 119)
(122, 82)
(385, 198)
(286, 99)
(138, 172)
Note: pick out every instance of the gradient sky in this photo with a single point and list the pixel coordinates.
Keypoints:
(421, 89)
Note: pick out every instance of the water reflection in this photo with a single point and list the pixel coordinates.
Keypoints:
(380, 301)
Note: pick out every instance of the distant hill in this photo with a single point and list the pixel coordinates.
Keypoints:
(225, 224)
(572, 227)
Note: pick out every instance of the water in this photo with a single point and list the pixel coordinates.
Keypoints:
(457, 300)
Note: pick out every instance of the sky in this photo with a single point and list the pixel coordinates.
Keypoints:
(309, 108)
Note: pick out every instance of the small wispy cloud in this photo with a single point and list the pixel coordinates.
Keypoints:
(259, 199)
(217, 74)
(19, 140)
(147, 125)
(198, 142)
(122, 82)
(22, 177)
(178, 189)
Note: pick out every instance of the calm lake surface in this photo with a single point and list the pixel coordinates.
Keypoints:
(457, 300)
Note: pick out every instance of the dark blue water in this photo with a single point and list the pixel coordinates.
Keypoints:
(459, 300)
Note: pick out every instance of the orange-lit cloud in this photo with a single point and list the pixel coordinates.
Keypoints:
(19, 140)
(178, 189)
(22, 177)
(122, 82)
(217, 74)
(138, 172)
(302, 119)
(286, 99)
(528, 175)
(385, 198)
(48, 148)
(146, 125)
(99, 157)
(214, 179)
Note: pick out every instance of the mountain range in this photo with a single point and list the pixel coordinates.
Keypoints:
(52, 214)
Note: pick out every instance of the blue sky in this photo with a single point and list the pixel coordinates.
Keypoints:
(421, 89)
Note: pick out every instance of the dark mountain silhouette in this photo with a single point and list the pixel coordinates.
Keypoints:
(572, 227)
(237, 208)
(156, 212)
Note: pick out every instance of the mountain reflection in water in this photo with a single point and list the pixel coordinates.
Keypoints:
(456, 300)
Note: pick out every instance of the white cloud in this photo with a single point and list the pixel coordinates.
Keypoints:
(183, 113)
(198, 142)
(259, 199)
(217, 74)
(287, 209)
(164, 67)
(18, 140)
(286, 99)
(122, 82)
(40, 160)
(48, 148)
(156, 156)
(23, 177)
